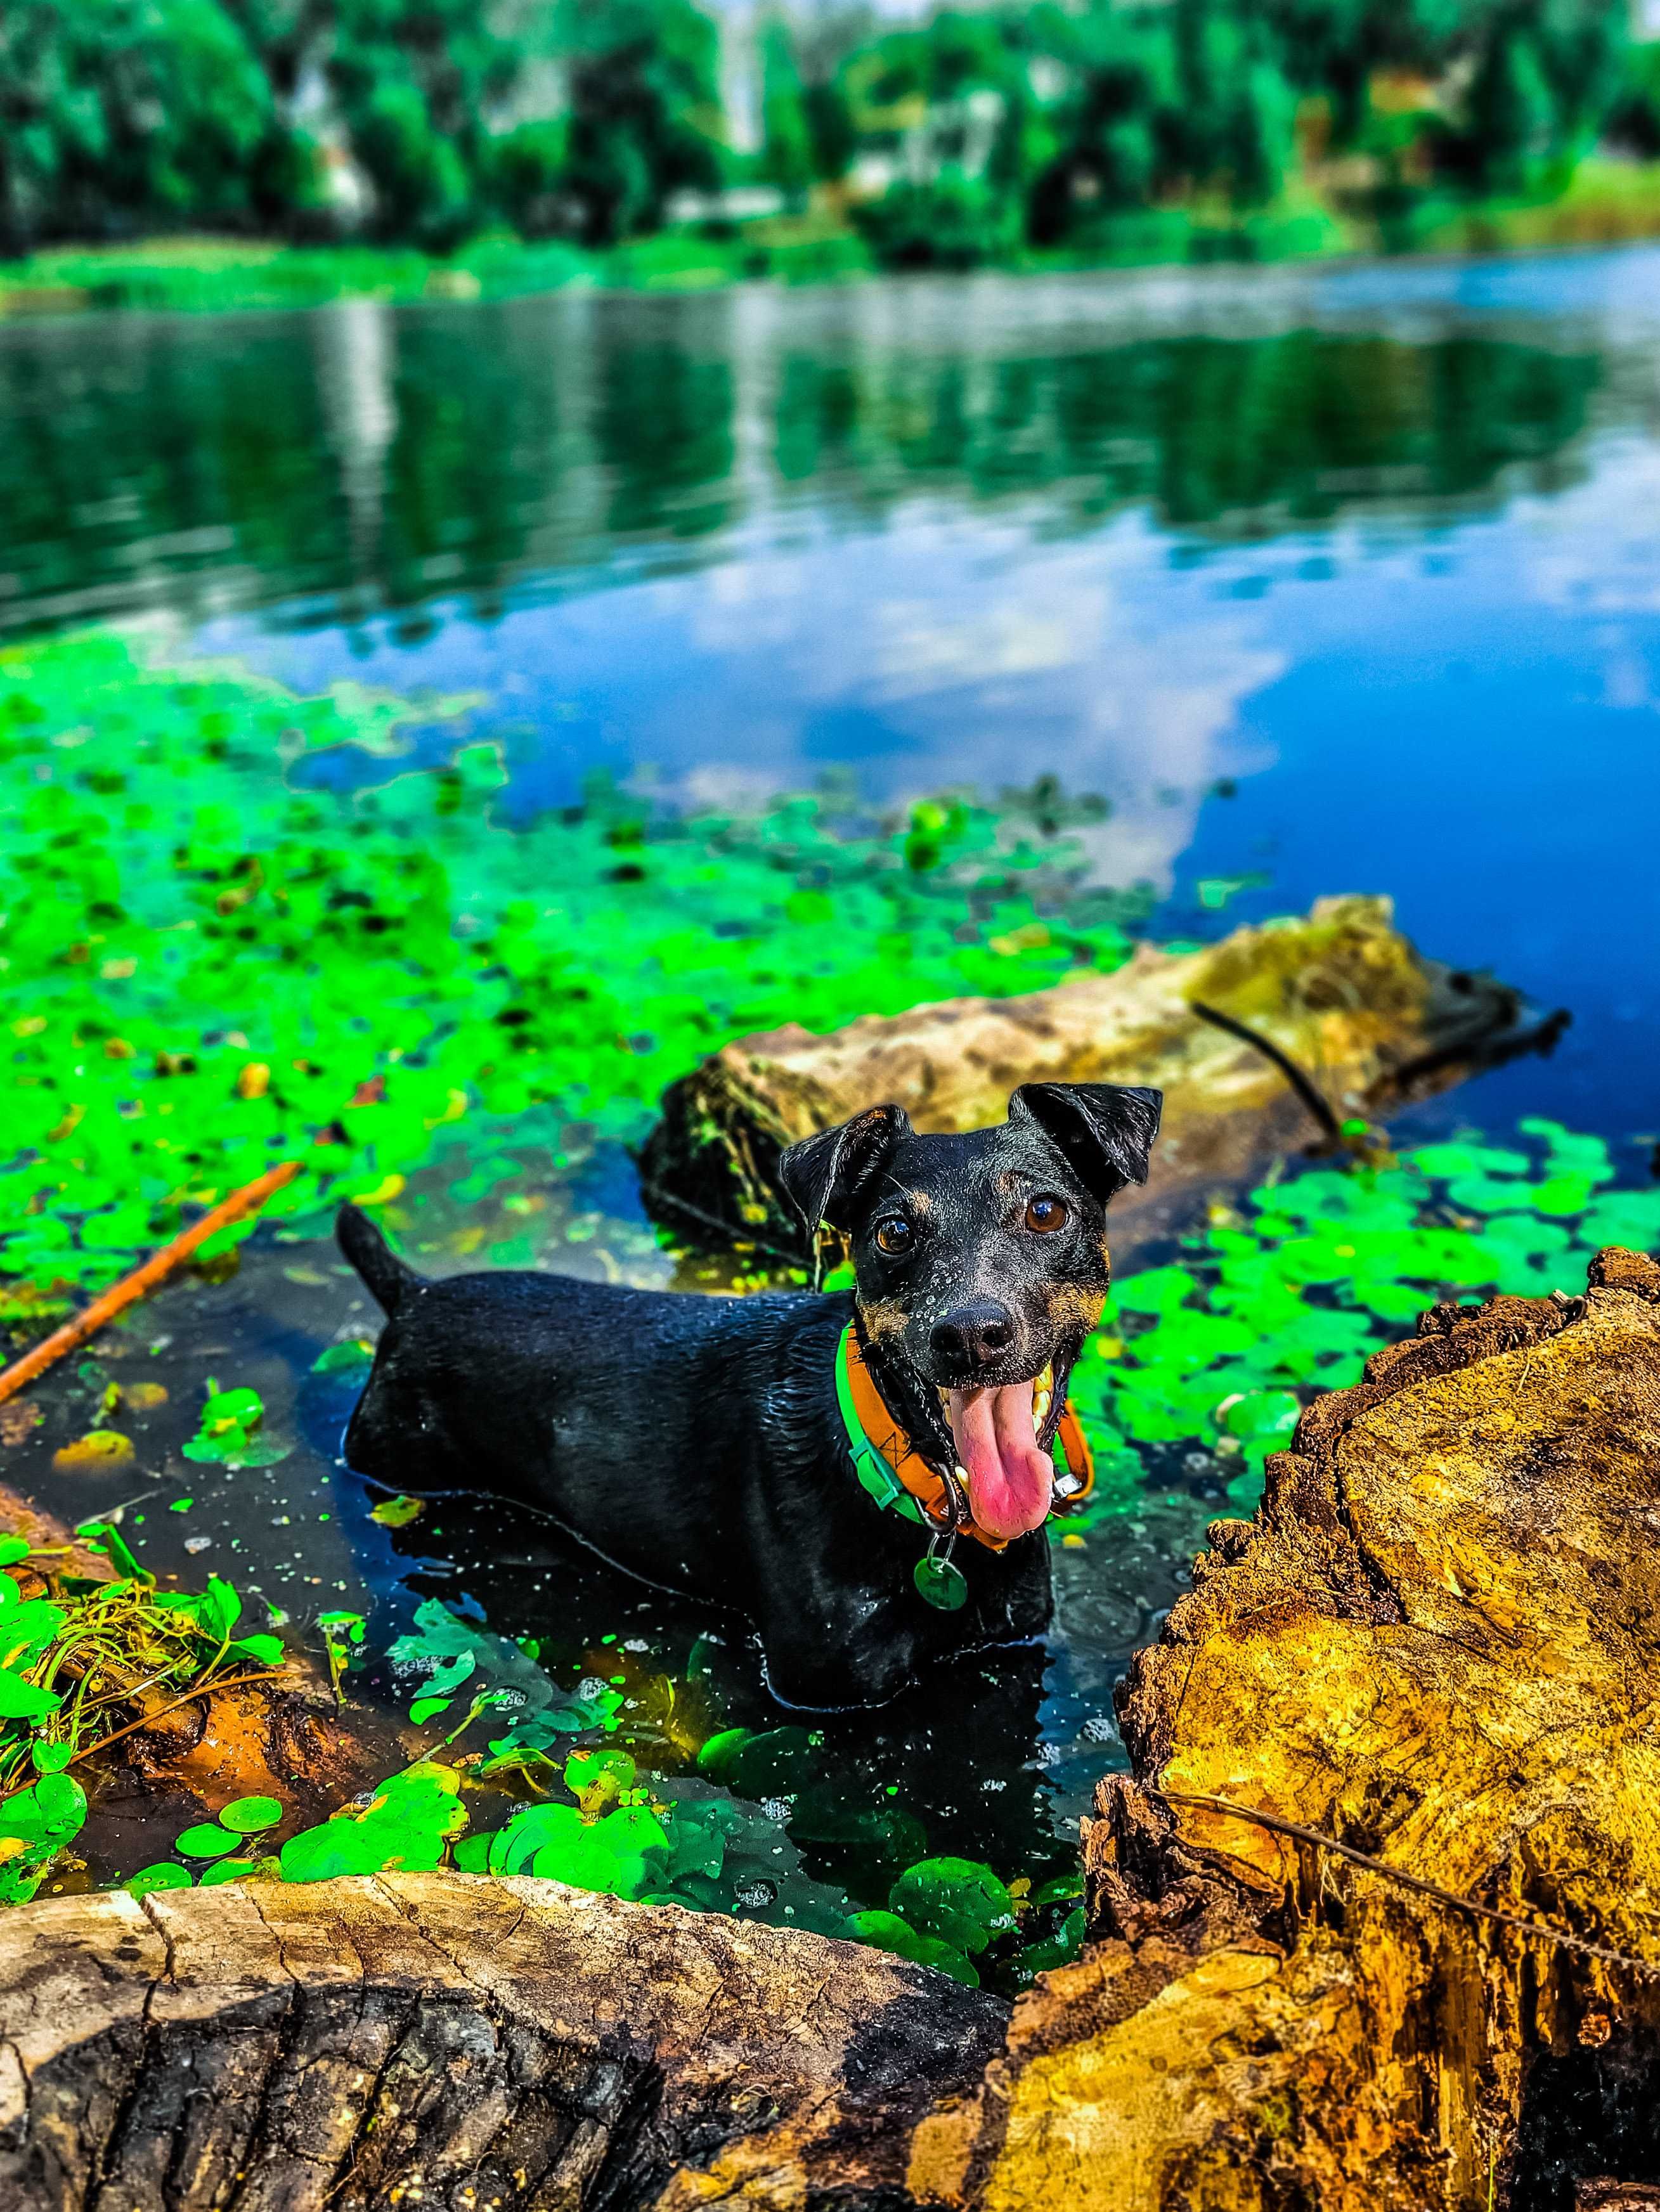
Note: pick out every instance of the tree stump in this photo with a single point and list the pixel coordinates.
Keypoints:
(1439, 1644)
(1341, 991)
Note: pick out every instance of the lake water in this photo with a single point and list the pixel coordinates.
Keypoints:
(1327, 581)
(1377, 549)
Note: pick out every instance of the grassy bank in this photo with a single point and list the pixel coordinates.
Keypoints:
(210, 275)
(1606, 204)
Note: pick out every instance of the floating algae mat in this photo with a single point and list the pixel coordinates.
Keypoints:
(216, 962)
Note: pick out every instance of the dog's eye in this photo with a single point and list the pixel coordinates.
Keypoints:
(894, 1235)
(1045, 1214)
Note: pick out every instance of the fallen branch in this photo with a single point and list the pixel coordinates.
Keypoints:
(1315, 1016)
(143, 1280)
(1303, 1084)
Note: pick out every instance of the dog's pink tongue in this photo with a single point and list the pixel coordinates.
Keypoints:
(1011, 1478)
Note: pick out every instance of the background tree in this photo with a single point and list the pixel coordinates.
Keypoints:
(118, 116)
(787, 148)
(645, 111)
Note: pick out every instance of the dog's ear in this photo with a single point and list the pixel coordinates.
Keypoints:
(1106, 1130)
(822, 1176)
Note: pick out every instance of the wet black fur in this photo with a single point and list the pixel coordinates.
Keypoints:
(696, 1442)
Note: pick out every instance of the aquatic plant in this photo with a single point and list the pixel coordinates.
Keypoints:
(1289, 1293)
(214, 966)
(83, 1660)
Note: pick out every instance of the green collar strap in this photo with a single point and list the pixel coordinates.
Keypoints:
(873, 1472)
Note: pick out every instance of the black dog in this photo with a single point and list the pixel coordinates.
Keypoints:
(703, 1444)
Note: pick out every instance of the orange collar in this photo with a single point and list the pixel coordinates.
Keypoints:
(906, 1465)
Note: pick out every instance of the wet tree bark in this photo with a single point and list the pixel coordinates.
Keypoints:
(1437, 1645)
(1341, 991)
(455, 2041)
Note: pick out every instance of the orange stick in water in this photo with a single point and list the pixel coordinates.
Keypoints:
(143, 1280)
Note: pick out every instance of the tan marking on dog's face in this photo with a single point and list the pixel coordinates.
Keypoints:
(919, 1201)
(1072, 1308)
(885, 1320)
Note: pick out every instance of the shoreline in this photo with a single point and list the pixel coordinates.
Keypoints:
(209, 274)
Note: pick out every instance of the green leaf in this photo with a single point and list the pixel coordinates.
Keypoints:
(23, 1701)
(226, 1870)
(717, 1755)
(1446, 1161)
(104, 1536)
(887, 1931)
(12, 1549)
(344, 1359)
(165, 1874)
(246, 1816)
(207, 1841)
(958, 1901)
(408, 1823)
(621, 1854)
(265, 1650)
(219, 1607)
(426, 1709)
(398, 1512)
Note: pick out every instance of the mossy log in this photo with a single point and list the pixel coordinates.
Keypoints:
(1340, 990)
(1437, 1646)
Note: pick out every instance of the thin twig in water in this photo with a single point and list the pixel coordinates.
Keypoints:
(1450, 1898)
(1300, 1081)
(143, 1280)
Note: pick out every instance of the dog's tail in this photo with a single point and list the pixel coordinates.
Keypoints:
(374, 1260)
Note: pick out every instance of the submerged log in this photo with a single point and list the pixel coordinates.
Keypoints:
(1374, 1923)
(1340, 990)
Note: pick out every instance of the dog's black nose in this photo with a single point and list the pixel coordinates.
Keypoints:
(971, 1337)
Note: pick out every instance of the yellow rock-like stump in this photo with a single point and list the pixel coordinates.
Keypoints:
(1439, 1643)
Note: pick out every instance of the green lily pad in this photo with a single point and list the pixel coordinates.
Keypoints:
(166, 1873)
(958, 1901)
(206, 1840)
(226, 1870)
(246, 1816)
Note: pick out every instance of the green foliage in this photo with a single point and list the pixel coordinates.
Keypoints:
(787, 151)
(583, 119)
(407, 1823)
(72, 1661)
(956, 1901)
(229, 1431)
(116, 114)
(443, 1651)
(644, 116)
(952, 222)
(211, 970)
(1292, 1295)
(247, 1816)
(36, 1824)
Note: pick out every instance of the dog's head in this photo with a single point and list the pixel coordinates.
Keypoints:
(981, 1263)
